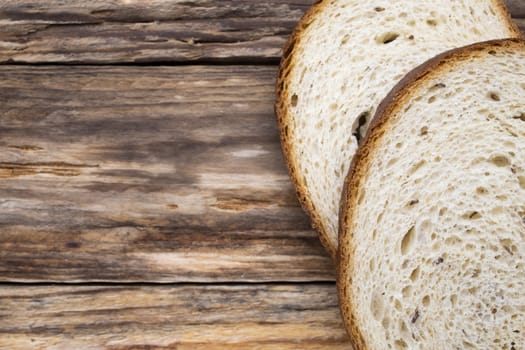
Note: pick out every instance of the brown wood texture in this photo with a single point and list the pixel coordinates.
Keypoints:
(158, 174)
(79, 31)
(146, 31)
(277, 316)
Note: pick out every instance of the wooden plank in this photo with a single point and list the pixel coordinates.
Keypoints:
(169, 174)
(99, 31)
(516, 8)
(146, 31)
(304, 316)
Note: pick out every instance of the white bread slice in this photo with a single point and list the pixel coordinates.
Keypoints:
(432, 239)
(341, 61)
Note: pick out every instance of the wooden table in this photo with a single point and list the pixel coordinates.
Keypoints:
(144, 201)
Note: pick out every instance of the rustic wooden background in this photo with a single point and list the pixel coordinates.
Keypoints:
(144, 201)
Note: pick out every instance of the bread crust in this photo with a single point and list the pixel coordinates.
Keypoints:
(283, 116)
(282, 110)
(392, 103)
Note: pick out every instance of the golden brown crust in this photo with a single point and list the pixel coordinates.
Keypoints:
(399, 95)
(281, 109)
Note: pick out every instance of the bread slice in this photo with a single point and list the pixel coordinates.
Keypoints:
(341, 61)
(432, 240)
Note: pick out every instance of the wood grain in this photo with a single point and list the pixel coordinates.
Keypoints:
(158, 174)
(278, 316)
(78, 31)
(146, 31)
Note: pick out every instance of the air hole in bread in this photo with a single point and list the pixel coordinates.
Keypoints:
(411, 23)
(398, 306)
(494, 96)
(408, 240)
(345, 39)
(386, 322)
(387, 38)
(379, 9)
(426, 300)
(376, 305)
(372, 265)
(431, 99)
(482, 111)
(414, 275)
(400, 344)
(437, 86)
(416, 167)
(453, 240)
(468, 345)
(432, 22)
(521, 180)
(521, 117)
(500, 161)
(508, 246)
(413, 202)
(472, 215)
(294, 100)
(482, 190)
(423, 131)
(492, 52)
(358, 129)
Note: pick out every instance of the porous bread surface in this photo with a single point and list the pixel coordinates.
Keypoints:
(433, 227)
(343, 59)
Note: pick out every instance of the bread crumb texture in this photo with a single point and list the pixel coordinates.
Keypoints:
(346, 58)
(438, 228)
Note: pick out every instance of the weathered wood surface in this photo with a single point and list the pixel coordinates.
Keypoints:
(159, 174)
(278, 316)
(146, 31)
(152, 31)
